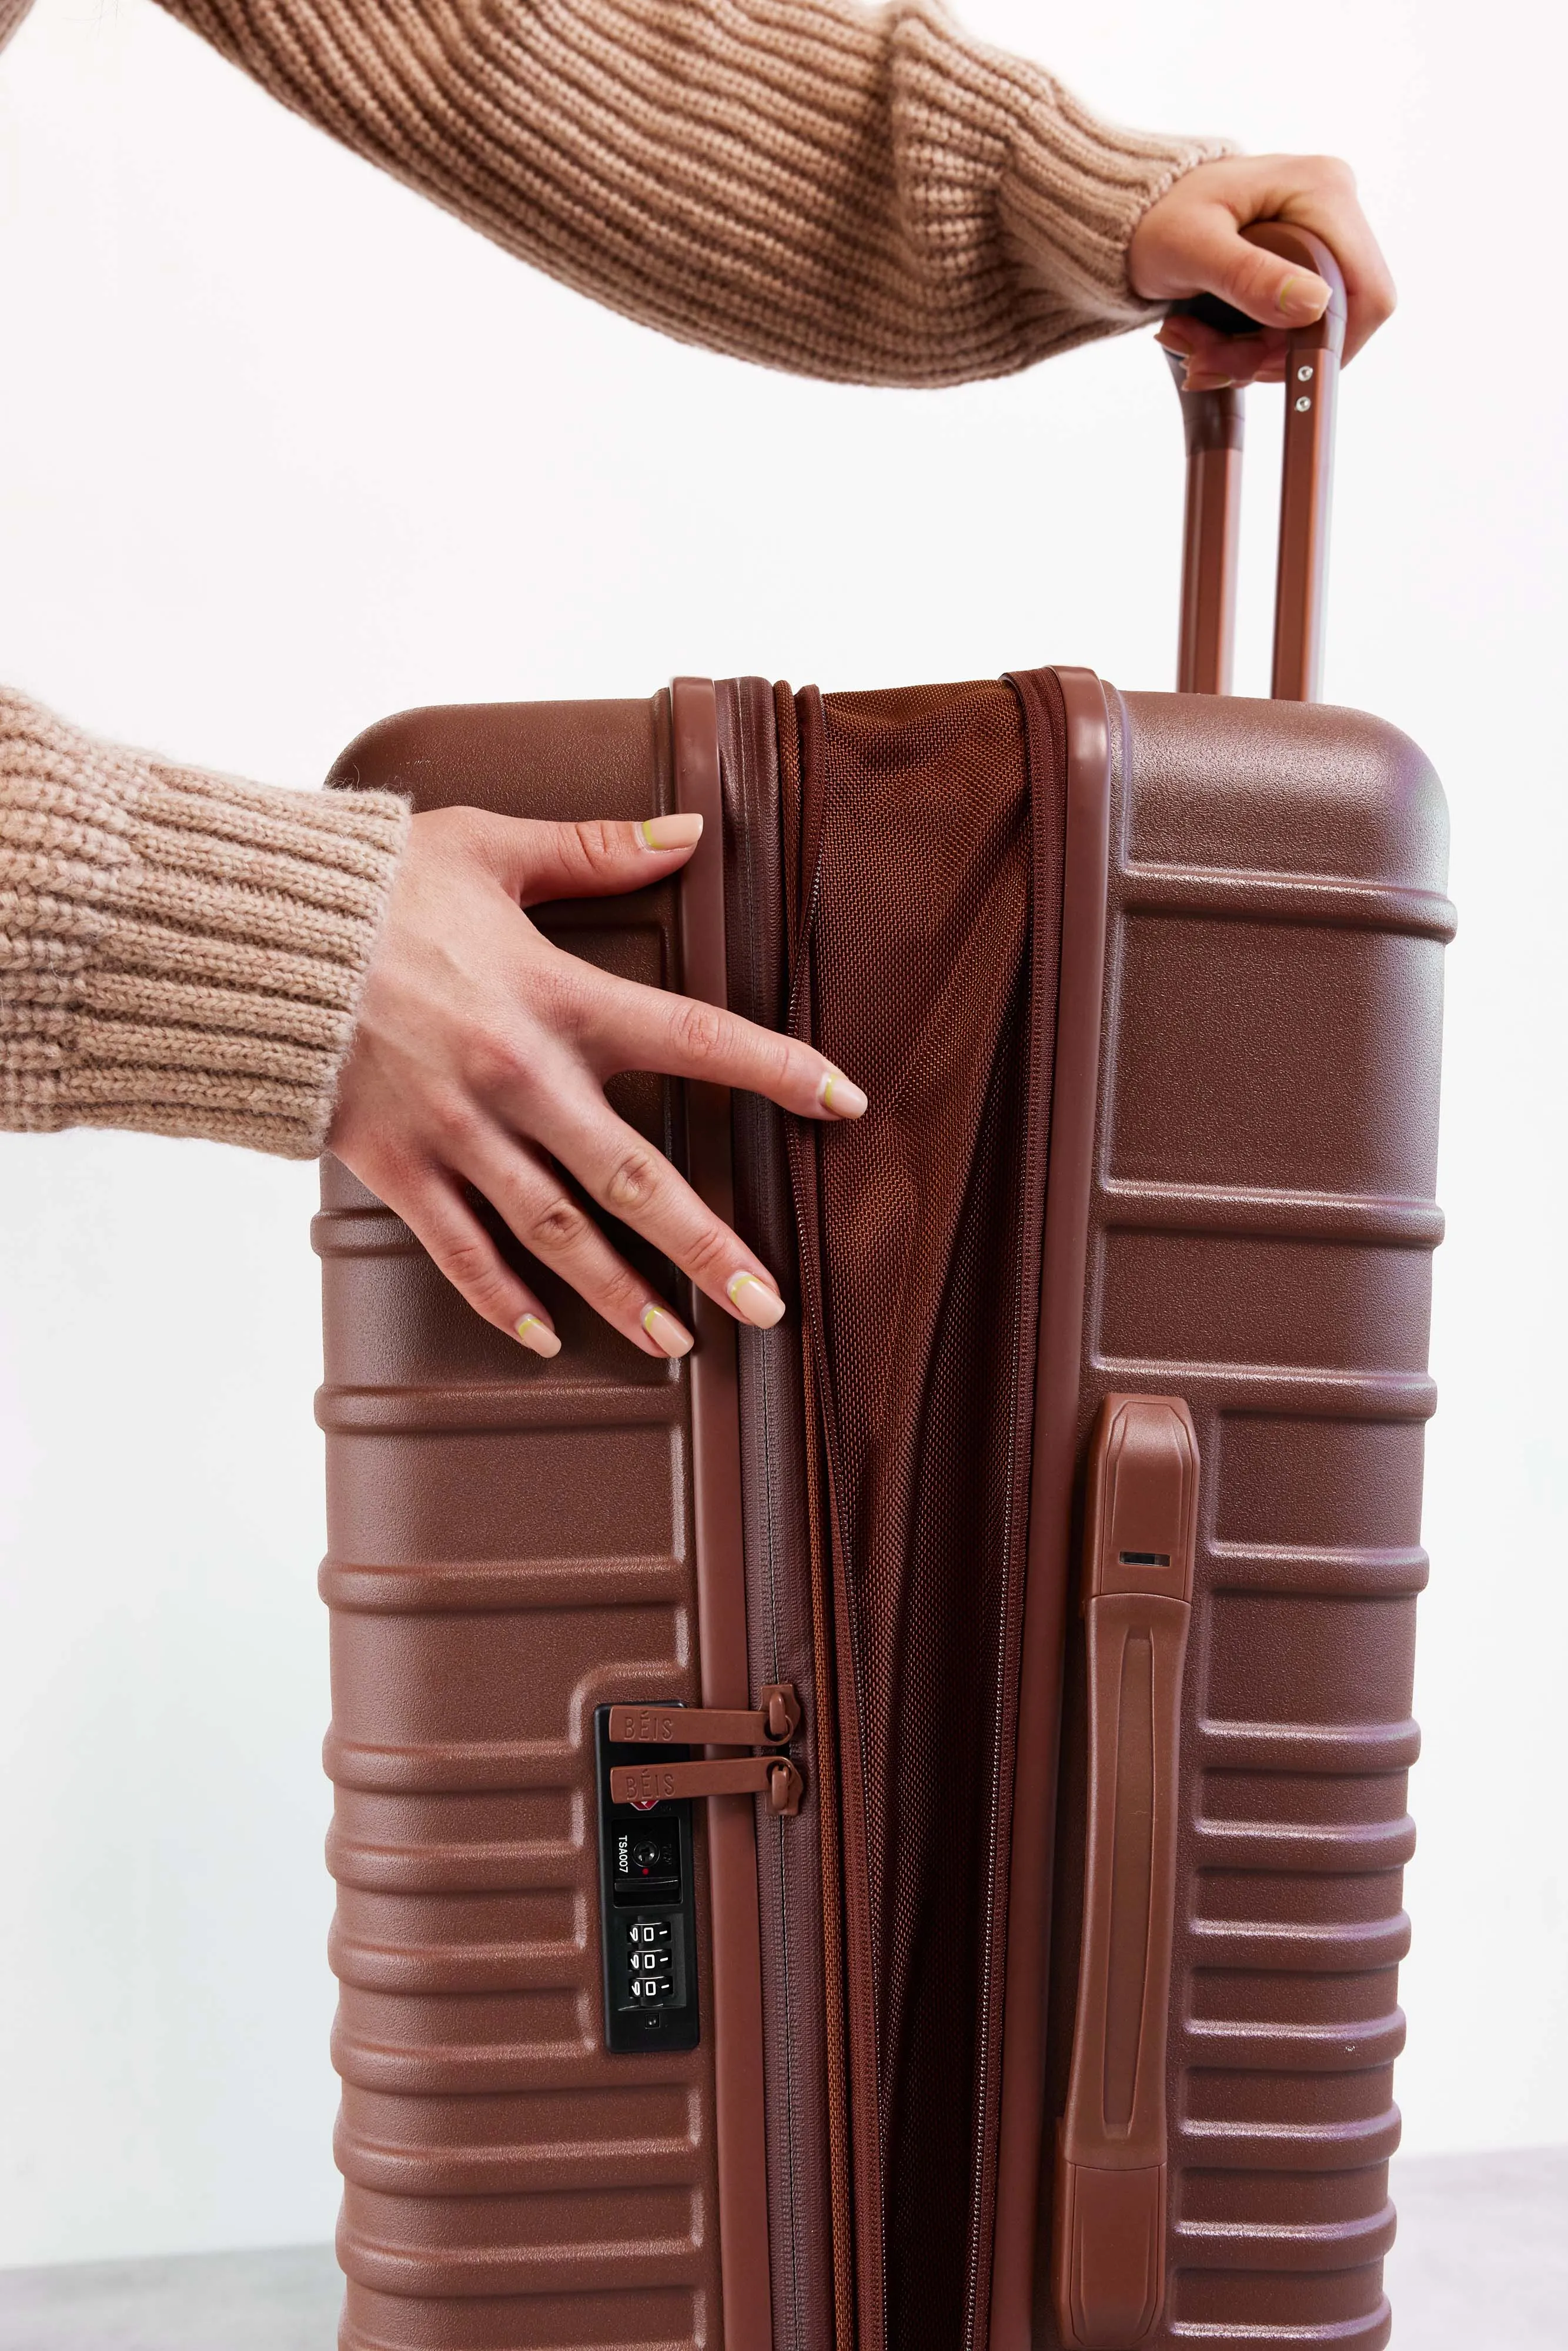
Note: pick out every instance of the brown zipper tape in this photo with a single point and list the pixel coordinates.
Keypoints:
(736, 1999)
(1074, 1094)
(865, 2144)
(796, 884)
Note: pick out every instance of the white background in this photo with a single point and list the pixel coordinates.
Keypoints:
(281, 449)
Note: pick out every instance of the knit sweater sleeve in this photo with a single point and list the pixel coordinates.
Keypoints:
(178, 951)
(873, 197)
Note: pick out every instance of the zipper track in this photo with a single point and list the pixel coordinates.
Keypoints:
(979, 2182)
(1042, 958)
(756, 991)
(859, 2259)
(863, 2129)
(807, 2122)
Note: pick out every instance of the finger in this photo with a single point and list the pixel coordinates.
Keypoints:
(1336, 217)
(459, 1246)
(1321, 195)
(1215, 361)
(621, 1170)
(1217, 259)
(593, 859)
(625, 1027)
(537, 1205)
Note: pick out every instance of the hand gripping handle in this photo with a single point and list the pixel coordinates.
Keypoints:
(1214, 438)
(1109, 2245)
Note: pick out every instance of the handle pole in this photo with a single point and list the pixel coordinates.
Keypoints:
(1213, 422)
(1306, 488)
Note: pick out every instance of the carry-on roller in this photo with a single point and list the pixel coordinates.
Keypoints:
(885, 1834)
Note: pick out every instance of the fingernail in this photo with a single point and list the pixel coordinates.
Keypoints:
(1307, 296)
(671, 831)
(536, 1334)
(672, 1337)
(838, 1097)
(754, 1301)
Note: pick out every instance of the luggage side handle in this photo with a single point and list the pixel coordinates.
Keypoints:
(1109, 2249)
(1213, 423)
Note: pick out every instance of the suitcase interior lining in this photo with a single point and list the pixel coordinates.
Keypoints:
(926, 965)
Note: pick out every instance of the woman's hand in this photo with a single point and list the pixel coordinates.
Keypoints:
(1190, 243)
(479, 1065)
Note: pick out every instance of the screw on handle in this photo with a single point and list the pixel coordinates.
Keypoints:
(1214, 427)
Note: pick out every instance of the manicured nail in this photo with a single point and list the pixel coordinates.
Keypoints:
(1303, 296)
(671, 1337)
(838, 1097)
(754, 1301)
(671, 831)
(536, 1334)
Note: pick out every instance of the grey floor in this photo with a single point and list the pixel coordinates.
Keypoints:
(1481, 2264)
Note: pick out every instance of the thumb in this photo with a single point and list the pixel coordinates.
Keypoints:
(593, 859)
(1276, 293)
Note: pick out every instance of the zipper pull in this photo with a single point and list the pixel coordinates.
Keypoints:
(773, 1776)
(771, 1724)
(777, 1719)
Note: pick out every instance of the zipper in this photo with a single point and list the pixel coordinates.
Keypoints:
(779, 1565)
(855, 2198)
(865, 2322)
(1043, 956)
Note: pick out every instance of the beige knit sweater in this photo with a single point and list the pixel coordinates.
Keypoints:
(872, 197)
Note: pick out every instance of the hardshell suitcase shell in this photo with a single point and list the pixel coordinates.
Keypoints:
(1187, 2113)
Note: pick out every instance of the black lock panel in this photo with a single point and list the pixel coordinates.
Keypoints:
(647, 1906)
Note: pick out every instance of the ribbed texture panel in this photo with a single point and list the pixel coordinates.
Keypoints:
(1261, 1226)
(179, 953)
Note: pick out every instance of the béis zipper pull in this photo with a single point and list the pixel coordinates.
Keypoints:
(768, 1725)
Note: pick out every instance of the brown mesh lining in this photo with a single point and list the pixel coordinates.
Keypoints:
(926, 966)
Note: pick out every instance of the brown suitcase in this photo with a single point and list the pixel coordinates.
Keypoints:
(1089, 1572)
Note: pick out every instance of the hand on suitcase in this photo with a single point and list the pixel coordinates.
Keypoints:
(1190, 243)
(479, 1062)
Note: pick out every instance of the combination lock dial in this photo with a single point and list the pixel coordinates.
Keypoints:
(647, 1906)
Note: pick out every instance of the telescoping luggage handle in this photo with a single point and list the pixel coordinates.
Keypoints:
(1214, 421)
(1140, 1530)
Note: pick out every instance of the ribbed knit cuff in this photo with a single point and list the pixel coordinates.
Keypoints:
(181, 953)
(1070, 188)
(1076, 194)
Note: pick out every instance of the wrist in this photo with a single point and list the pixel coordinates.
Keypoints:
(197, 943)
